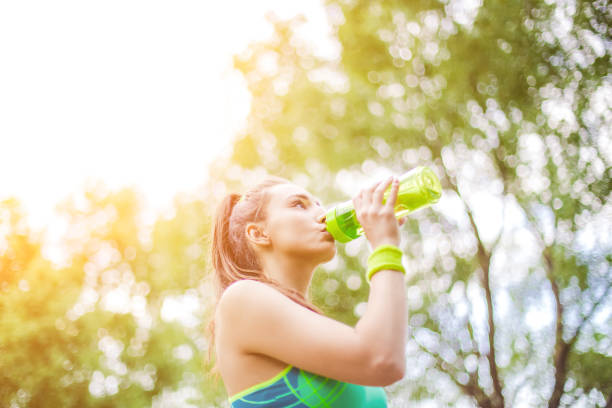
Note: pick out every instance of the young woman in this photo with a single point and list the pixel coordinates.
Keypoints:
(273, 347)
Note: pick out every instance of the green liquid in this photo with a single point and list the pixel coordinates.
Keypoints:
(419, 188)
(347, 221)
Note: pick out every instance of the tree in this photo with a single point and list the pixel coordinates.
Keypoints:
(103, 330)
(509, 103)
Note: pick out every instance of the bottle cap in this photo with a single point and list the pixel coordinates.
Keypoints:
(333, 228)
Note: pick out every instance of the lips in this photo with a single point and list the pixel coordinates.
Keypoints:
(327, 234)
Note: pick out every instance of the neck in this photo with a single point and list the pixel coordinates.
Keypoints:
(291, 272)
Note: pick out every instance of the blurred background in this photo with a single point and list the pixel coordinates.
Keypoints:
(124, 123)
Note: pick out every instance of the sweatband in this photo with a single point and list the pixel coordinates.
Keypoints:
(385, 256)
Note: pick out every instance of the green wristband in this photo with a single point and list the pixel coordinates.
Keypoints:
(384, 257)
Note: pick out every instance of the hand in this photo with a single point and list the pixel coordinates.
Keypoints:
(377, 219)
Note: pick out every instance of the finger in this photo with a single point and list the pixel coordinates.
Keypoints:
(402, 221)
(357, 201)
(377, 196)
(366, 194)
(392, 197)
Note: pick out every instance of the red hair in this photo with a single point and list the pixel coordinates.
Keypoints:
(233, 259)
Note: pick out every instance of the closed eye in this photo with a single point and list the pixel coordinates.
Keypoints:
(295, 204)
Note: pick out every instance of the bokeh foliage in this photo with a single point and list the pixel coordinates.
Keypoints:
(102, 331)
(509, 275)
(509, 102)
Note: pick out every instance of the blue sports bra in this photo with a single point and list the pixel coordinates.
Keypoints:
(296, 388)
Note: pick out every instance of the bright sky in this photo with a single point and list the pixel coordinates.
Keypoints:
(133, 93)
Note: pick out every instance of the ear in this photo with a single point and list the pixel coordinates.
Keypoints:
(256, 234)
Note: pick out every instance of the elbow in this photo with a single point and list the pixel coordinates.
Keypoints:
(390, 370)
(397, 370)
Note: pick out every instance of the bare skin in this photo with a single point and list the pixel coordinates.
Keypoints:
(260, 331)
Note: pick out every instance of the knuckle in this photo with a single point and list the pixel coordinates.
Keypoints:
(385, 211)
(387, 216)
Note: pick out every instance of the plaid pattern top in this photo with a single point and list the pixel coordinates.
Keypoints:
(296, 388)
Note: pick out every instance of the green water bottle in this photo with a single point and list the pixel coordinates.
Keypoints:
(418, 188)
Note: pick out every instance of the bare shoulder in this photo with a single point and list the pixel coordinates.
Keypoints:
(245, 294)
(243, 287)
(243, 307)
(260, 320)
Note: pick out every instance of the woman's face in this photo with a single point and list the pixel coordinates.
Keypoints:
(296, 224)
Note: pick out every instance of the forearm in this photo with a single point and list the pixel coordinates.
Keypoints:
(384, 324)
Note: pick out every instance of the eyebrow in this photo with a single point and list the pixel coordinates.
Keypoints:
(305, 197)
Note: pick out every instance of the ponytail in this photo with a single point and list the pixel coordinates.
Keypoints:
(232, 257)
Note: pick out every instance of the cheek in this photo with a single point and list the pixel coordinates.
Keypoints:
(284, 231)
(287, 232)
(286, 237)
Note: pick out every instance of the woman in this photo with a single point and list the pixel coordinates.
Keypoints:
(273, 347)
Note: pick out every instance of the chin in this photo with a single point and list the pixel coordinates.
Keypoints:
(319, 253)
(330, 252)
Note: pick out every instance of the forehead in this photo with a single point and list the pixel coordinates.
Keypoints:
(285, 192)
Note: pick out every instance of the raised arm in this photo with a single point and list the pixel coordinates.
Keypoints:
(262, 320)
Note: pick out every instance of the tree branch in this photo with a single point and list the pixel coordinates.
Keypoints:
(588, 316)
(474, 343)
(468, 324)
(471, 388)
(484, 259)
(561, 348)
(526, 379)
(561, 351)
